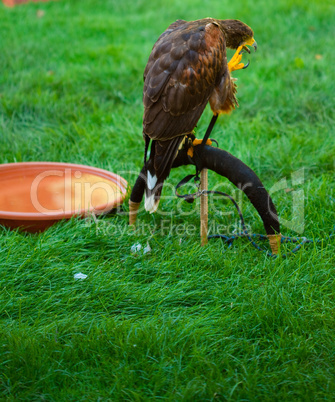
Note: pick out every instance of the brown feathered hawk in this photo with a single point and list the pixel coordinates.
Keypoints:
(187, 68)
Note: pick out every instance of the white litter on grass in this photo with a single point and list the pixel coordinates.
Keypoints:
(80, 276)
(136, 247)
(147, 249)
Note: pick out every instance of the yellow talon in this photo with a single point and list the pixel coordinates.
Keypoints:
(234, 63)
(196, 142)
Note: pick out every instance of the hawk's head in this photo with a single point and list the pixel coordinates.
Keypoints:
(238, 34)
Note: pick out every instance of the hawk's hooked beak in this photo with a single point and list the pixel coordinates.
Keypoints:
(249, 42)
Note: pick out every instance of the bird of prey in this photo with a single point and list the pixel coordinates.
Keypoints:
(187, 68)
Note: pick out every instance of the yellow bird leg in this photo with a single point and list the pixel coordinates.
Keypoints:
(190, 152)
(234, 64)
(196, 142)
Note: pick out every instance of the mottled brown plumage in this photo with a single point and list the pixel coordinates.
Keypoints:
(187, 68)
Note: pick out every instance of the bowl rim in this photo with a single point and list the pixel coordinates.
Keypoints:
(30, 216)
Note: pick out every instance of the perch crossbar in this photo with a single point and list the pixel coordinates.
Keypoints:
(230, 167)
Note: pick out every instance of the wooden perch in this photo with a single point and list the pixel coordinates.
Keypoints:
(237, 172)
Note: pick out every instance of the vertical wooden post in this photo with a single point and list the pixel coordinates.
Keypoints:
(133, 209)
(274, 241)
(204, 207)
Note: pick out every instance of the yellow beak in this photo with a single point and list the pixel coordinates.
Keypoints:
(250, 42)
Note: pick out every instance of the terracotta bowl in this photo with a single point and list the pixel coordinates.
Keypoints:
(12, 3)
(34, 195)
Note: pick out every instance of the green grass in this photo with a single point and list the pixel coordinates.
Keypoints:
(182, 322)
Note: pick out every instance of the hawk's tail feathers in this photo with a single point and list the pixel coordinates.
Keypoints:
(158, 166)
(153, 191)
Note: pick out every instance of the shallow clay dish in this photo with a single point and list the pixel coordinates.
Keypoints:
(34, 195)
(12, 3)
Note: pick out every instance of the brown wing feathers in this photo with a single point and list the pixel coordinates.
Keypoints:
(182, 70)
(162, 164)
